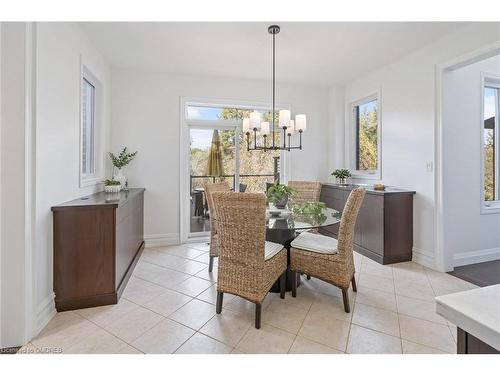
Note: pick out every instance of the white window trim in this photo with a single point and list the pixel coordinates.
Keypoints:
(350, 136)
(98, 176)
(489, 80)
(185, 125)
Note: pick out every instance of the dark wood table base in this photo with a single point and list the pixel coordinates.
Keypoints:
(284, 237)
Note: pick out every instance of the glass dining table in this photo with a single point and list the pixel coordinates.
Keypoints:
(282, 226)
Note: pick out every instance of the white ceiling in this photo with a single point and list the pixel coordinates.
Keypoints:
(310, 53)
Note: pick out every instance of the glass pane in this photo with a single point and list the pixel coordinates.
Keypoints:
(256, 167)
(366, 132)
(203, 113)
(216, 113)
(210, 161)
(490, 99)
(88, 113)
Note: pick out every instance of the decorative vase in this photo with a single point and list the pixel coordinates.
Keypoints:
(120, 177)
(282, 202)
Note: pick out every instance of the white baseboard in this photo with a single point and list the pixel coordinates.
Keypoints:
(478, 256)
(45, 312)
(424, 258)
(167, 239)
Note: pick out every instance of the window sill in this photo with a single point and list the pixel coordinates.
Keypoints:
(90, 181)
(366, 176)
(493, 208)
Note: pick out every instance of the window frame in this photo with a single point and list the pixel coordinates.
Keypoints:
(493, 81)
(97, 177)
(352, 138)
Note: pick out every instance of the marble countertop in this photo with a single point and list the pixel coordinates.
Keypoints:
(476, 311)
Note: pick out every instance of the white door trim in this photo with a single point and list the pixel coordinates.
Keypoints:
(444, 261)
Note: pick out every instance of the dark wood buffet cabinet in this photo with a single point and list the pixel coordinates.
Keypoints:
(98, 240)
(384, 228)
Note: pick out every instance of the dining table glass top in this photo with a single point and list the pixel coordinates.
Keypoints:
(296, 219)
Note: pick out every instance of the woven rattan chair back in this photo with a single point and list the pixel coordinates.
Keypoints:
(305, 191)
(241, 222)
(211, 188)
(348, 222)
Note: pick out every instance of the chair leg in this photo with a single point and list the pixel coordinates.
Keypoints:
(345, 297)
(211, 264)
(282, 285)
(354, 287)
(220, 297)
(294, 284)
(258, 311)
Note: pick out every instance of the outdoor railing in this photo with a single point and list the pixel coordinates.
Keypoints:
(270, 177)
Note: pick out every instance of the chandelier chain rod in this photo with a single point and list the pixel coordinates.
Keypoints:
(274, 85)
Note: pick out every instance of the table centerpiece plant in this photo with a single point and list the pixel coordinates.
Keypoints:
(311, 212)
(278, 195)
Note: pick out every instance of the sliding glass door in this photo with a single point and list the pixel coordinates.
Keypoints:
(218, 152)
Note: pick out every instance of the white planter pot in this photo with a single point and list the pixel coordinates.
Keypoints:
(112, 188)
(120, 177)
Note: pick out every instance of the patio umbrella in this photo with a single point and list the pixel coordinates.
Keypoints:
(215, 167)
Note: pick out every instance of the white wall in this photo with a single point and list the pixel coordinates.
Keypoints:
(145, 117)
(60, 49)
(469, 236)
(408, 117)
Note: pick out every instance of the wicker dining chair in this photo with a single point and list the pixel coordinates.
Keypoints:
(305, 191)
(336, 268)
(248, 264)
(210, 188)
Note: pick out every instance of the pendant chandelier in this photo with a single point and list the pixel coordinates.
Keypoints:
(288, 126)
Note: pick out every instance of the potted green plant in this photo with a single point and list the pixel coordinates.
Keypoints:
(112, 186)
(119, 161)
(278, 195)
(341, 175)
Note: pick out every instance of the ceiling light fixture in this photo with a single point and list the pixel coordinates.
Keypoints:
(255, 124)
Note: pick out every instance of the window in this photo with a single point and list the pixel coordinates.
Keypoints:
(490, 140)
(90, 130)
(365, 130)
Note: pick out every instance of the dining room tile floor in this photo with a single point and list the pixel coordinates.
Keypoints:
(169, 307)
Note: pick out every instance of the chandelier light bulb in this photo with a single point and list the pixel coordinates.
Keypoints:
(284, 118)
(264, 128)
(300, 122)
(246, 125)
(255, 120)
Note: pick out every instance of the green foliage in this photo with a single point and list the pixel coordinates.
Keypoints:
(368, 152)
(123, 158)
(310, 212)
(341, 173)
(309, 208)
(489, 168)
(277, 192)
(111, 183)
